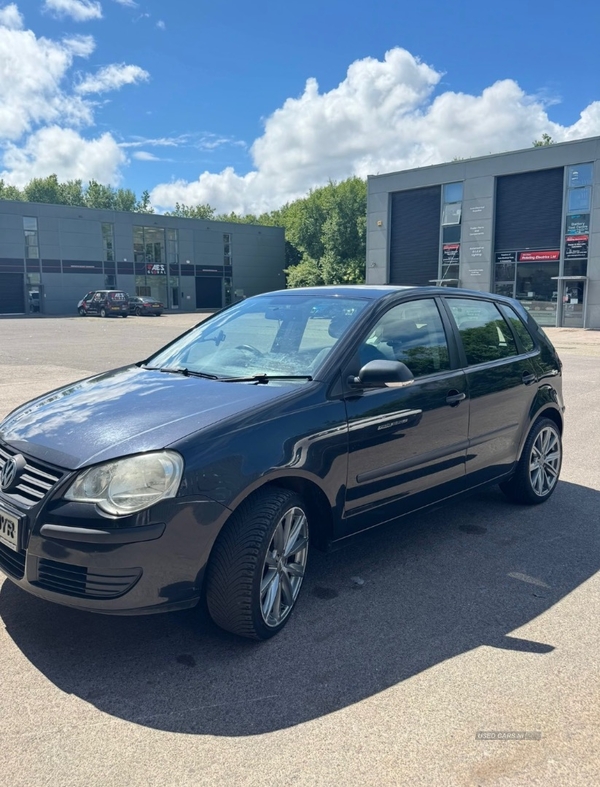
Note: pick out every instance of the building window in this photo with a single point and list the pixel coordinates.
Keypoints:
(226, 248)
(579, 175)
(149, 245)
(32, 246)
(449, 269)
(172, 247)
(579, 199)
(108, 242)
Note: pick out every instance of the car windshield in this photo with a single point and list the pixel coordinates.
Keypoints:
(268, 335)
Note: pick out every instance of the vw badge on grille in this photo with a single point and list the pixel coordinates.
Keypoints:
(11, 472)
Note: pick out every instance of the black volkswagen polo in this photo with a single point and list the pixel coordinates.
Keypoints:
(289, 421)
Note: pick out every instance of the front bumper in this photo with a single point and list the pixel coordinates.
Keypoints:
(154, 566)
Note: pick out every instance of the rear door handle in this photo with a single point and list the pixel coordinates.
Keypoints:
(454, 398)
(529, 378)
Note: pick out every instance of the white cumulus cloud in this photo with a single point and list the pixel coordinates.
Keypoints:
(42, 114)
(112, 77)
(384, 116)
(64, 152)
(11, 17)
(127, 3)
(79, 10)
(32, 71)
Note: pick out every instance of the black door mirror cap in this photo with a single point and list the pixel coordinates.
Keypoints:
(391, 374)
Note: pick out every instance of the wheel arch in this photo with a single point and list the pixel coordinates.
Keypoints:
(545, 410)
(319, 510)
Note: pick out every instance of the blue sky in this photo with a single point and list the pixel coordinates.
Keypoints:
(204, 102)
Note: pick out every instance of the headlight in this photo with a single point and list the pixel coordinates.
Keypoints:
(129, 485)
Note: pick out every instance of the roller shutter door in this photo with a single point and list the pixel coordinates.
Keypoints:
(12, 295)
(529, 210)
(415, 236)
(209, 292)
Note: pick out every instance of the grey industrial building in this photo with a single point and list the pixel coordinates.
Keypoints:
(524, 224)
(51, 255)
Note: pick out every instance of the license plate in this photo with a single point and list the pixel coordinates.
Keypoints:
(9, 530)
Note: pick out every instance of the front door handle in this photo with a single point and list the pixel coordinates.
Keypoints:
(529, 378)
(454, 398)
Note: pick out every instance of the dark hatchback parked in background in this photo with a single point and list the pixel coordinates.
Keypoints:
(290, 420)
(141, 304)
(104, 303)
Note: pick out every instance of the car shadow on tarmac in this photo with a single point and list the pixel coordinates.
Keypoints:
(399, 601)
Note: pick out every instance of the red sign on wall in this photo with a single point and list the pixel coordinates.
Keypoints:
(538, 256)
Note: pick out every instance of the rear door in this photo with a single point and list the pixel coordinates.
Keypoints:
(407, 446)
(501, 383)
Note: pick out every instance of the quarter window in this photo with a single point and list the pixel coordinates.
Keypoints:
(518, 327)
(413, 333)
(484, 332)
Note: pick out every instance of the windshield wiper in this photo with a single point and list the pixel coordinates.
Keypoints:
(265, 378)
(184, 372)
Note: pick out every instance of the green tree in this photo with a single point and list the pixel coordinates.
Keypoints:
(125, 199)
(97, 195)
(306, 273)
(71, 193)
(144, 205)
(43, 190)
(10, 192)
(328, 228)
(192, 211)
(543, 142)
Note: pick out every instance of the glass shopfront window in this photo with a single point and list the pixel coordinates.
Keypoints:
(537, 290)
(156, 249)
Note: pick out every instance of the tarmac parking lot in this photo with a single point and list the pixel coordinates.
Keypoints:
(457, 647)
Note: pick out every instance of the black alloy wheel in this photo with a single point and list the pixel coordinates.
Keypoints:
(258, 564)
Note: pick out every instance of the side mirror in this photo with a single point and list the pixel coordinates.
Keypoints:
(391, 374)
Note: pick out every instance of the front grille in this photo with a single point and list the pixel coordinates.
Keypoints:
(37, 480)
(13, 563)
(85, 583)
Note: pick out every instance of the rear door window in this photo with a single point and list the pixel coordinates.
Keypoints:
(484, 331)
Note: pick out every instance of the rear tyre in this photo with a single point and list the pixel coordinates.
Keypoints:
(103, 313)
(538, 470)
(138, 312)
(124, 315)
(258, 563)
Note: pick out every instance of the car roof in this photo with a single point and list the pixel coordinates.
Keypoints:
(378, 291)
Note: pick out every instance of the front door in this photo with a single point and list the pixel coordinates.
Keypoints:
(573, 296)
(407, 446)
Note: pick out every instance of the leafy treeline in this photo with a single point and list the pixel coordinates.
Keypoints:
(73, 192)
(325, 231)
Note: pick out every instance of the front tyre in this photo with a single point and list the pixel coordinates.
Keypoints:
(258, 563)
(81, 311)
(103, 312)
(537, 472)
